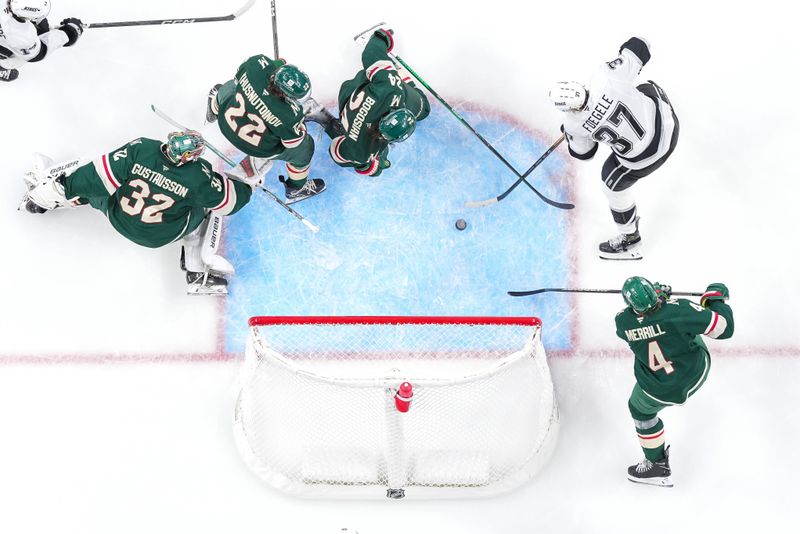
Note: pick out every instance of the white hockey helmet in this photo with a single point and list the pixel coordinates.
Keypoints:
(30, 9)
(569, 96)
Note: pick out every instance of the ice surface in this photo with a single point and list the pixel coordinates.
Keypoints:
(135, 447)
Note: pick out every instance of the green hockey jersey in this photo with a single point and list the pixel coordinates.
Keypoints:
(671, 360)
(364, 100)
(254, 121)
(148, 199)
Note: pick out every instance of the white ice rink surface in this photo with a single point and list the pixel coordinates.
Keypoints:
(142, 442)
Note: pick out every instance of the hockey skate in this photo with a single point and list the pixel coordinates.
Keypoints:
(653, 473)
(211, 115)
(316, 112)
(623, 246)
(8, 75)
(203, 283)
(312, 187)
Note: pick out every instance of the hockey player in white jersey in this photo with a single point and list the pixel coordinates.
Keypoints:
(636, 121)
(26, 37)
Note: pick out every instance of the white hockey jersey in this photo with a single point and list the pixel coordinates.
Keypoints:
(637, 122)
(20, 42)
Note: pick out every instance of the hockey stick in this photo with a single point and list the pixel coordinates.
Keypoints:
(554, 203)
(230, 162)
(495, 200)
(274, 28)
(232, 16)
(577, 290)
(361, 38)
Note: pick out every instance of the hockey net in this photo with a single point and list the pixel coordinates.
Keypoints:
(316, 413)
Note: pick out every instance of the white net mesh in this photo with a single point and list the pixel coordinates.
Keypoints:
(316, 413)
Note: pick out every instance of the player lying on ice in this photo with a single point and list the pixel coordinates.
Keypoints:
(260, 113)
(153, 193)
(378, 107)
(26, 37)
(671, 360)
(636, 121)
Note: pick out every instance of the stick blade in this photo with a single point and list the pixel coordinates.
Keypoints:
(481, 203)
(527, 293)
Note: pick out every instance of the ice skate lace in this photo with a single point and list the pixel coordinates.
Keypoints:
(616, 242)
(644, 465)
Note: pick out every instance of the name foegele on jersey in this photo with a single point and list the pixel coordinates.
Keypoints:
(597, 115)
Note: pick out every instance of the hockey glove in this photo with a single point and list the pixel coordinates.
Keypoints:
(715, 291)
(386, 36)
(73, 28)
(663, 291)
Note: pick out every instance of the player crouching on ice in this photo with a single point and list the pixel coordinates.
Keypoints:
(260, 113)
(671, 361)
(636, 121)
(26, 37)
(153, 193)
(378, 107)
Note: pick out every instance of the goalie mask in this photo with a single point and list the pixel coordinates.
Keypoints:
(398, 125)
(292, 82)
(34, 10)
(183, 147)
(639, 294)
(569, 96)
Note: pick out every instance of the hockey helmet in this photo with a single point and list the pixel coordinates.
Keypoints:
(568, 96)
(292, 82)
(30, 9)
(183, 147)
(639, 294)
(397, 125)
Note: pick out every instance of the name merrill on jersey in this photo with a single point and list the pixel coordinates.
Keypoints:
(597, 114)
(255, 100)
(355, 128)
(160, 180)
(645, 332)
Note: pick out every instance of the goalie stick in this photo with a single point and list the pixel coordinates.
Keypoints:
(230, 162)
(361, 38)
(223, 18)
(579, 290)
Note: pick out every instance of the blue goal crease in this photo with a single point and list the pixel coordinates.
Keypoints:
(389, 245)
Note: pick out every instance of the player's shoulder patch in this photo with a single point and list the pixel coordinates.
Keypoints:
(614, 64)
(139, 141)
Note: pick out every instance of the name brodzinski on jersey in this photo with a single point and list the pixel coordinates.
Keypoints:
(358, 122)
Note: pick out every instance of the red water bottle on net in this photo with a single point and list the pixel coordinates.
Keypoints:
(402, 399)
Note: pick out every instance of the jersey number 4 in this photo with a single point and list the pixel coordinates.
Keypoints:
(656, 359)
(135, 206)
(250, 132)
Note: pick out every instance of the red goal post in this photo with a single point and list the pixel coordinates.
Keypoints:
(320, 410)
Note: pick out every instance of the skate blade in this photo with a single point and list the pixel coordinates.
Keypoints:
(289, 201)
(204, 290)
(630, 254)
(663, 482)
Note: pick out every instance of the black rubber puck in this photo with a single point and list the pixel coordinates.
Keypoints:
(461, 224)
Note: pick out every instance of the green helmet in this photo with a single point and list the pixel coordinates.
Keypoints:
(292, 82)
(398, 125)
(183, 147)
(639, 294)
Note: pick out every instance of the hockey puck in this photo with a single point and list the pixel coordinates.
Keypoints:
(461, 224)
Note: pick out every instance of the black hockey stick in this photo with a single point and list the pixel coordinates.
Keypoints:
(274, 27)
(232, 16)
(228, 160)
(495, 200)
(577, 290)
(555, 204)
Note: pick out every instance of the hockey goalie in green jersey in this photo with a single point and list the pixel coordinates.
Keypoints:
(671, 360)
(260, 113)
(153, 193)
(378, 107)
